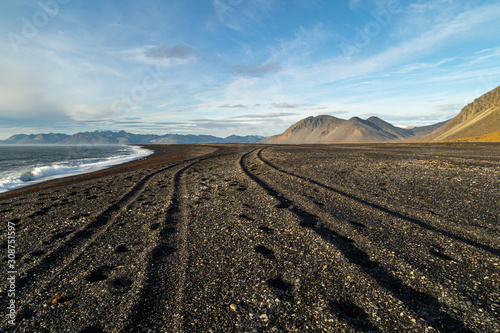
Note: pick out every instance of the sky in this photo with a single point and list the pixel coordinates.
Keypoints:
(245, 67)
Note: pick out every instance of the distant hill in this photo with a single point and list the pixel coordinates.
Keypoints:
(35, 138)
(122, 137)
(477, 119)
(329, 129)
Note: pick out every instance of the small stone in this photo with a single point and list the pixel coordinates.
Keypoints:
(233, 307)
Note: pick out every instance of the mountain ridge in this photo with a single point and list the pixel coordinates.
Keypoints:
(122, 137)
(477, 119)
(330, 129)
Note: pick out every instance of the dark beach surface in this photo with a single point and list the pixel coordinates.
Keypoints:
(256, 238)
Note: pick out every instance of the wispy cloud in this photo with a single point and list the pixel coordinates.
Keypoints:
(238, 14)
(449, 107)
(235, 106)
(420, 66)
(257, 70)
(312, 108)
(420, 119)
(285, 105)
(487, 54)
(159, 55)
(265, 116)
(171, 52)
(305, 42)
(336, 112)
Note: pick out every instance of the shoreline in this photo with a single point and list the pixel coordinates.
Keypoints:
(98, 164)
(161, 153)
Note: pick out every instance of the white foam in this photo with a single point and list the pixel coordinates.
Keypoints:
(41, 173)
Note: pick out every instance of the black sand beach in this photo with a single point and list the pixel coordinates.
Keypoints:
(256, 238)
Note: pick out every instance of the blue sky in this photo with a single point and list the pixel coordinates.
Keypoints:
(225, 67)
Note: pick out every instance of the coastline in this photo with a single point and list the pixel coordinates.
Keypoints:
(161, 154)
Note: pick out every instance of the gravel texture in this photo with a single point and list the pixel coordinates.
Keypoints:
(257, 238)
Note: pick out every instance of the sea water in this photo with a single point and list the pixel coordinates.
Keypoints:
(24, 165)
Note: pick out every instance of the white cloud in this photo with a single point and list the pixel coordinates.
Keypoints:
(420, 66)
(487, 54)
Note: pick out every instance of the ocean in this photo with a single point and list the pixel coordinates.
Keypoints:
(24, 165)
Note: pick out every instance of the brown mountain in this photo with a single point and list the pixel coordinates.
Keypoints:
(325, 129)
(479, 119)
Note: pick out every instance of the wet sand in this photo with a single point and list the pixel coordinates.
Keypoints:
(256, 238)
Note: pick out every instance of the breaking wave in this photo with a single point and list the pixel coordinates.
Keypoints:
(40, 173)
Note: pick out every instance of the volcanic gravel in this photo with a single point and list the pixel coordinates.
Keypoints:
(263, 238)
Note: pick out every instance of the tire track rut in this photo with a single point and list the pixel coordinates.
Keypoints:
(80, 246)
(386, 210)
(412, 298)
(396, 237)
(160, 302)
(80, 240)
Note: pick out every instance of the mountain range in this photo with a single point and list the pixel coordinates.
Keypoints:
(122, 137)
(478, 121)
(325, 129)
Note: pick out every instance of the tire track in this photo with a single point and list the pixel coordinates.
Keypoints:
(223, 275)
(77, 244)
(183, 254)
(303, 272)
(152, 259)
(413, 299)
(160, 302)
(388, 211)
(111, 271)
(481, 303)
